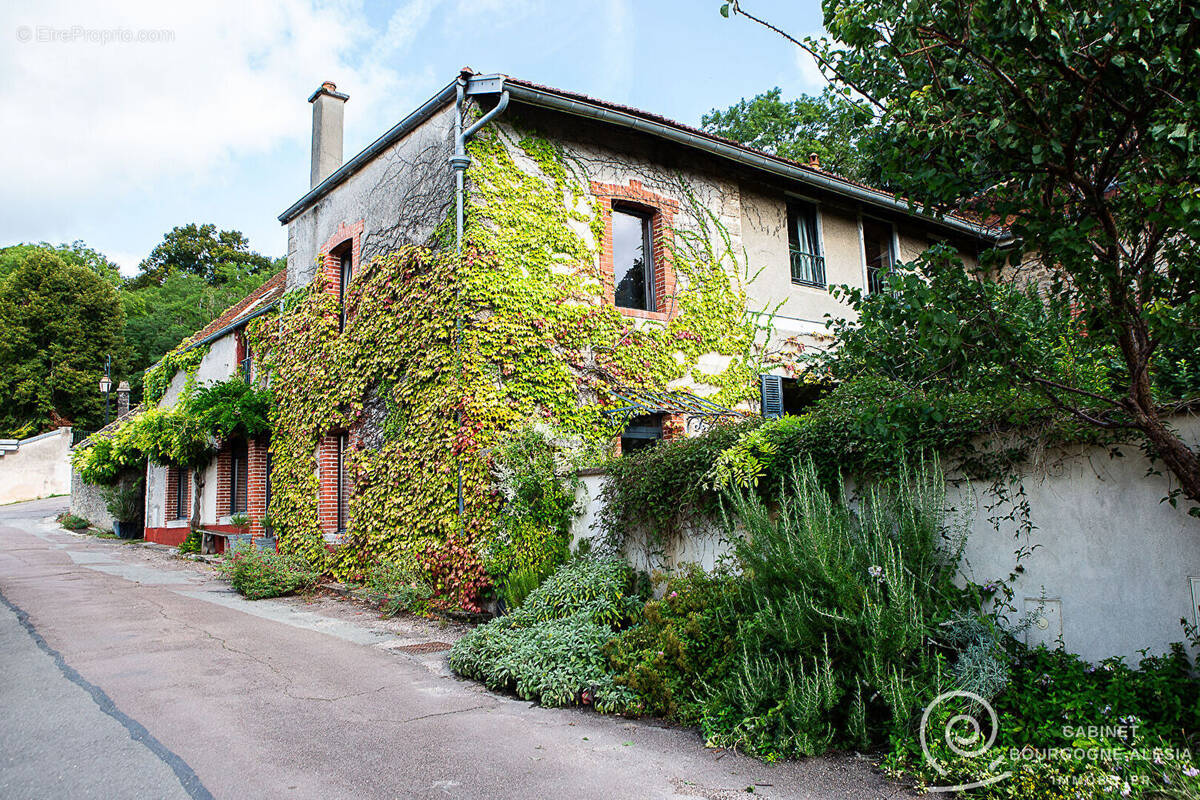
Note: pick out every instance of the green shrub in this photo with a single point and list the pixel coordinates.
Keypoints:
(397, 589)
(840, 610)
(72, 522)
(679, 646)
(192, 543)
(658, 488)
(536, 474)
(1141, 718)
(124, 502)
(258, 574)
(550, 648)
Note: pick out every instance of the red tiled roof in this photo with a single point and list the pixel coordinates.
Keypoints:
(264, 295)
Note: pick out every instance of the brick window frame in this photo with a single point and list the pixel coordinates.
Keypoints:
(662, 211)
(171, 507)
(347, 238)
(224, 473)
(331, 492)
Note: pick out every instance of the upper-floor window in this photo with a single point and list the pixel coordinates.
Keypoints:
(633, 259)
(345, 273)
(804, 244)
(878, 251)
(239, 463)
(247, 364)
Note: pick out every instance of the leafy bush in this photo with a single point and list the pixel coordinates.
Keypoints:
(680, 644)
(839, 612)
(231, 408)
(1142, 718)
(658, 488)
(124, 502)
(192, 543)
(550, 648)
(72, 522)
(397, 588)
(258, 574)
(536, 475)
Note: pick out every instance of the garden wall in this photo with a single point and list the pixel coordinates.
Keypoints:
(1108, 565)
(39, 467)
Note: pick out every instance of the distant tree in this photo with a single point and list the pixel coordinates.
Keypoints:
(58, 323)
(159, 317)
(840, 132)
(77, 253)
(200, 250)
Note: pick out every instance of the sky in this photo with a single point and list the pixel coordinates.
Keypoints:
(125, 119)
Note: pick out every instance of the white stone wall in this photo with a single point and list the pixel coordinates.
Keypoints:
(1114, 564)
(39, 467)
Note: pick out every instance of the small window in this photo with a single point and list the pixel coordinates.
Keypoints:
(345, 273)
(343, 488)
(641, 432)
(238, 478)
(877, 249)
(633, 259)
(804, 244)
(781, 396)
(181, 493)
(247, 365)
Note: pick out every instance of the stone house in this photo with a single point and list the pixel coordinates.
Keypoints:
(671, 262)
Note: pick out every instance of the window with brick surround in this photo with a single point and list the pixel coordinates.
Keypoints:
(633, 258)
(345, 274)
(178, 493)
(343, 489)
(239, 463)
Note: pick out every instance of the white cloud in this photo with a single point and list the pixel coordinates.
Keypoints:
(811, 78)
(88, 124)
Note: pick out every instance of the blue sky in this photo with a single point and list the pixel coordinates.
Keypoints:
(126, 119)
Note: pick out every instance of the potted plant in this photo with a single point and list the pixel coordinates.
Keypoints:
(125, 505)
(241, 521)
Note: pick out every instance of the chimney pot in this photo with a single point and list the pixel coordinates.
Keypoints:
(814, 160)
(328, 104)
(122, 398)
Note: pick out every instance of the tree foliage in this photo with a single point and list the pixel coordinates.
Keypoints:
(201, 250)
(1078, 128)
(58, 323)
(839, 132)
(76, 254)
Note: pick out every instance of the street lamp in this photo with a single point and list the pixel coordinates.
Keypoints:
(106, 386)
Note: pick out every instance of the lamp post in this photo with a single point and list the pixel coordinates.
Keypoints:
(106, 386)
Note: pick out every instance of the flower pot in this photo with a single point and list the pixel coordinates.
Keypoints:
(126, 530)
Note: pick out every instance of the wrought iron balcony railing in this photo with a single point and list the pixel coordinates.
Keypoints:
(808, 269)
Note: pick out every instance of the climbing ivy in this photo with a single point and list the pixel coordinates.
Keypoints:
(441, 356)
(157, 379)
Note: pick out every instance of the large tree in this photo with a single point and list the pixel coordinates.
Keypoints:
(839, 132)
(76, 253)
(1077, 126)
(200, 250)
(58, 324)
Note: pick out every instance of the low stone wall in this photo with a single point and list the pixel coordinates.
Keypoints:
(89, 503)
(1108, 566)
(39, 466)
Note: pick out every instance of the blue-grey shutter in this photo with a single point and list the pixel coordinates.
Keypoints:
(771, 395)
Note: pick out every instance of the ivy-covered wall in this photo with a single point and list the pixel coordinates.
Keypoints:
(519, 330)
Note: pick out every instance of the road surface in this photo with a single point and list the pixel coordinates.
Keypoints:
(128, 673)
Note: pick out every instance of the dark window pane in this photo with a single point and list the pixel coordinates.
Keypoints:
(181, 493)
(347, 264)
(877, 245)
(633, 261)
(641, 432)
(238, 482)
(342, 487)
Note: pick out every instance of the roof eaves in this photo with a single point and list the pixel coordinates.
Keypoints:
(579, 105)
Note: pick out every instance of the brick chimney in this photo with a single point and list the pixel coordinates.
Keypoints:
(328, 104)
(122, 399)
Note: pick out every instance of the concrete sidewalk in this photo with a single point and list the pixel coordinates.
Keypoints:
(136, 675)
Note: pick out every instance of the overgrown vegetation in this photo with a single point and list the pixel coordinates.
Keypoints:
(258, 574)
(397, 589)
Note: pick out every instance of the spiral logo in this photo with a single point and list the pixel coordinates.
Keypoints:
(24, 33)
(964, 734)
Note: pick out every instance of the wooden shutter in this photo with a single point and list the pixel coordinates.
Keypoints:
(771, 395)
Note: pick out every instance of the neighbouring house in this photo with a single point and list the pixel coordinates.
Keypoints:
(36, 466)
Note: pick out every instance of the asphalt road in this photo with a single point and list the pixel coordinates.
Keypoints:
(125, 673)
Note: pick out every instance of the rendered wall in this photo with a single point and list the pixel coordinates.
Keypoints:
(1114, 563)
(39, 467)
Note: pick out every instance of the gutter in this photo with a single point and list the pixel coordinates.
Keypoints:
(749, 158)
(398, 131)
